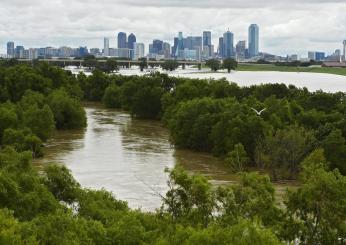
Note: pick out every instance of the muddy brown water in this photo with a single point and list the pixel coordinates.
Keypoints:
(128, 156)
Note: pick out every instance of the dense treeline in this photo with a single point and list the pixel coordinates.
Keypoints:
(216, 116)
(299, 135)
(52, 208)
(34, 101)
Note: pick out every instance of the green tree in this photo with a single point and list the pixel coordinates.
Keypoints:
(229, 64)
(316, 210)
(237, 158)
(170, 65)
(61, 183)
(335, 149)
(40, 121)
(143, 63)
(111, 98)
(68, 113)
(213, 64)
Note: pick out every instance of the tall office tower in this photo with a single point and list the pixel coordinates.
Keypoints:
(207, 41)
(253, 40)
(19, 52)
(221, 48)
(10, 49)
(131, 41)
(122, 40)
(228, 45)
(240, 50)
(166, 47)
(106, 46)
(138, 49)
(180, 46)
(344, 43)
(175, 46)
(157, 46)
(192, 43)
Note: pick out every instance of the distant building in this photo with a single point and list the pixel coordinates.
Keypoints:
(188, 54)
(33, 54)
(180, 45)
(19, 52)
(207, 42)
(122, 40)
(106, 46)
(228, 44)
(156, 47)
(253, 40)
(95, 51)
(166, 47)
(241, 50)
(316, 56)
(138, 49)
(131, 41)
(10, 50)
(192, 42)
(221, 47)
(119, 52)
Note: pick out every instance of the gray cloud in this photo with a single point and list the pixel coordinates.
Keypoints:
(286, 26)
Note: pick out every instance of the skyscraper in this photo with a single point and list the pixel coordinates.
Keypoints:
(10, 49)
(207, 38)
(240, 50)
(131, 41)
(122, 40)
(221, 48)
(253, 40)
(207, 41)
(106, 46)
(138, 50)
(180, 46)
(166, 47)
(228, 45)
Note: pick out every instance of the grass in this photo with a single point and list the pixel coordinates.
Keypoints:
(270, 67)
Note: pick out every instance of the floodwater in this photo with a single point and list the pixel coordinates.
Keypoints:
(312, 81)
(127, 157)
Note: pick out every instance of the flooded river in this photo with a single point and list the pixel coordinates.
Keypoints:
(128, 157)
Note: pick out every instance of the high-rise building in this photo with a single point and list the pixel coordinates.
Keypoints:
(157, 47)
(166, 47)
(131, 41)
(240, 50)
(19, 52)
(253, 40)
(207, 41)
(10, 49)
(192, 42)
(221, 47)
(122, 40)
(138, 49)
(106, 46)
(228, 44)
(206, 38)
(180, 46)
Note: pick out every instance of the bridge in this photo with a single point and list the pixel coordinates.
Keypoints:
(121, 63)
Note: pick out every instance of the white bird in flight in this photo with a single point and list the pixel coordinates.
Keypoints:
(258, 112)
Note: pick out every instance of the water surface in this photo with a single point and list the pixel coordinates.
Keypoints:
(127, 157)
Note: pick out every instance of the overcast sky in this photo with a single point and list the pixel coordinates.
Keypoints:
(286, 26)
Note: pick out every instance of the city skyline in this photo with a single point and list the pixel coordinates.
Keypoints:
(287, 27)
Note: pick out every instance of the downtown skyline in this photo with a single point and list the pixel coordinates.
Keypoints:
(287, 27)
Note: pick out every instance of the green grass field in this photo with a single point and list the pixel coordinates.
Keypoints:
(265, 67)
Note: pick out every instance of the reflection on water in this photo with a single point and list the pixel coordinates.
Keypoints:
(125, 156)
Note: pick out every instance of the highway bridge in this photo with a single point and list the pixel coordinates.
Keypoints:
(121, 63)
